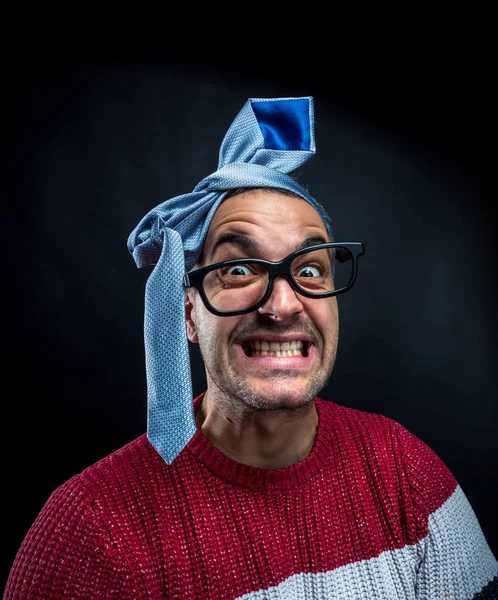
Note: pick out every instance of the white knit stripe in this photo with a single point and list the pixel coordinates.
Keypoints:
(457, 558)
(389, 576)
(457, 563)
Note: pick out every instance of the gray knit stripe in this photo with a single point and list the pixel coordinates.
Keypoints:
(458, 561)
(452, 566)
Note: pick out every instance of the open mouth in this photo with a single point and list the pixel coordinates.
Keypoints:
(284, 349)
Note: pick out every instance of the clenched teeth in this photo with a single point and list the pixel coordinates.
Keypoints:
(264, 348)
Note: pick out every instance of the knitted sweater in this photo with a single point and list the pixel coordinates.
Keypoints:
(371, 513)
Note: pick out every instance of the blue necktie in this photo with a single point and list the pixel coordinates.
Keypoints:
(269, 138)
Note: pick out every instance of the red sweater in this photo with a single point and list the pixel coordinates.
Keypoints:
(372, 512)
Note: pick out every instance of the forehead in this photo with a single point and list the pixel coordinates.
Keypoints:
(268, 217)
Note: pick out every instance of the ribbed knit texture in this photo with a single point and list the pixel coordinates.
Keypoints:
(371, 513)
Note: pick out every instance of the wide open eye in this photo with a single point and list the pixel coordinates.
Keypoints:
(236, 286)
(238, 270)
(309, 271)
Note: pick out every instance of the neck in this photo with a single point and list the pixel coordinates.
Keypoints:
(269, 439)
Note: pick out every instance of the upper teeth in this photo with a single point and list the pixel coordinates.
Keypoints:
(276, 346)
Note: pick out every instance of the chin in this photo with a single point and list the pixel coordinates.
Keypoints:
(284, 395)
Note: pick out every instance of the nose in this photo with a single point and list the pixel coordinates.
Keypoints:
(283, 301)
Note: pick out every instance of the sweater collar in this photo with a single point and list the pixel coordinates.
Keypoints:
(258, 478)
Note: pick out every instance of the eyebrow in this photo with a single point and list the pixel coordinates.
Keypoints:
(246, 243)
(311, 240)
(235, 239)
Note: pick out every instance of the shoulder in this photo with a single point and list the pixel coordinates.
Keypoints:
(83, 530)
(350, 422)
(111, 478)
(132, 458)
(375, 434)
(123, 475)
(388, 446)
(101, 502)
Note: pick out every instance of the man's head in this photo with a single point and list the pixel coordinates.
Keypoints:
(301, 332)
(267, 141)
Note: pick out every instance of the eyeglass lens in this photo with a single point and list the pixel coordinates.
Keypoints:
(242, 285)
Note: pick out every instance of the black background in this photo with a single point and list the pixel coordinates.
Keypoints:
(405, 163)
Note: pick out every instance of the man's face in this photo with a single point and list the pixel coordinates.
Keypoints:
(268, 225)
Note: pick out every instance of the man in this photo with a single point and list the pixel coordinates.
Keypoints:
(258, 488)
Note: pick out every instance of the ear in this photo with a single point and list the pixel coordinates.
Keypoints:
(190, 317)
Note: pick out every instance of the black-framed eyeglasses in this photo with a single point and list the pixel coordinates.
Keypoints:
(239, 286)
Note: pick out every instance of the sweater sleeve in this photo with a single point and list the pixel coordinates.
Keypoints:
(455, 559)
(69, 553)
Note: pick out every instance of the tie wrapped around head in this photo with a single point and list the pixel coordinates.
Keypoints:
(268, 139)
